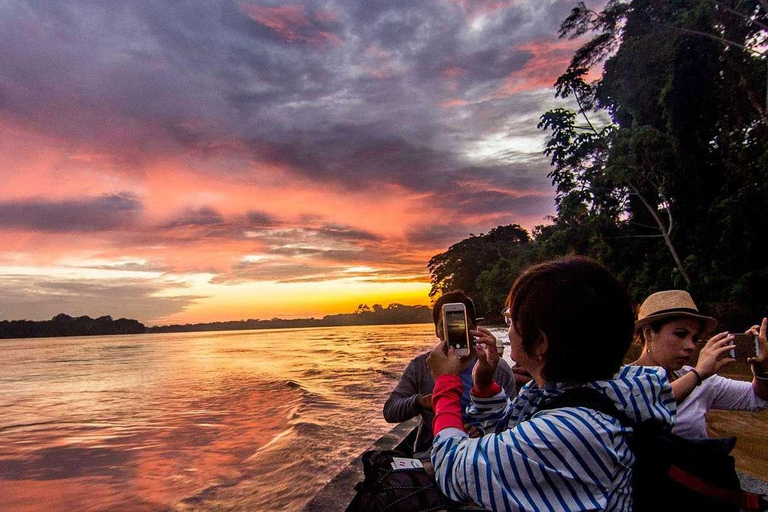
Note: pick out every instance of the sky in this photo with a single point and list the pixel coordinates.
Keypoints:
(214, 160)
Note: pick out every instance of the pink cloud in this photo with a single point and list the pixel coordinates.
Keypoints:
(453, 72)
(381, 66)
(293, 24)
(454, 103)
(549, 60)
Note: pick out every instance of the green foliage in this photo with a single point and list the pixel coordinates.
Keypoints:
(460, 267)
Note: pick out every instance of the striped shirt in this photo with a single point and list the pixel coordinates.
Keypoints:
(571, 458)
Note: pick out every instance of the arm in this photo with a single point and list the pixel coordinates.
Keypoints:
(505, 378)
(735, 395)
(487, 407)
(488, 401)
(403, 403)
(709, 363)
(760, 363)
(760, 386)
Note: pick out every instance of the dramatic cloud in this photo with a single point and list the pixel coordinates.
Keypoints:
(93, 214)
(278, 141)
(199, 217)
(41, 298)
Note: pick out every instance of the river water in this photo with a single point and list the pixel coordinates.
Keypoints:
(237, 420)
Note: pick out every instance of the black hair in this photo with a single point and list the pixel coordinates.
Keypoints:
(657, 325)
(585, 313)
(451, 297)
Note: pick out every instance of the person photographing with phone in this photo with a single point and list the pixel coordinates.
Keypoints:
(670, 326)
(570, 325)
(454, 319)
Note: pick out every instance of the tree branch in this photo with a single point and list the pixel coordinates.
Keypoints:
(764, 3)
(635, 236)
(643, 225)
(711, 36)
(664, 232)
(581, 109)
(743, 16)
(755, 101)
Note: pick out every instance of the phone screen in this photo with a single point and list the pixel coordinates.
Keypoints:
(744, 348)
(456, 327)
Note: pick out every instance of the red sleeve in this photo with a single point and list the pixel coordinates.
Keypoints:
(491, 389)
(446, 402)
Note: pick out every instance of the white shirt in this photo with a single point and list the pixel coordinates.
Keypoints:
(718, 393)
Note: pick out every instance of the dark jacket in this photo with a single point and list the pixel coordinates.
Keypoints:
(403, 403)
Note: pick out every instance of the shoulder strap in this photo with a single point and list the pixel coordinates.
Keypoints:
(589, 398)
(592, 399)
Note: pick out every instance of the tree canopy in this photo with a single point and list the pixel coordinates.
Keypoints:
(662, 171)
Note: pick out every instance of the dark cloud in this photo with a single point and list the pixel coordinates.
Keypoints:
(205, 216)
(203, 70)
(494, 202)
(120, 298)
(322, 239)
(342, 94)
(290, 272)
(337, 255)
(437, 235)
(103, 213)
(270, 271)
(261, 219)
(345, 232)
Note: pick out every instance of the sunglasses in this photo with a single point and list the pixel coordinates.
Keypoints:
(507, 314)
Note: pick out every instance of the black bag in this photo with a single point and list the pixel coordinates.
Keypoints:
(673, 473)
(385, 488)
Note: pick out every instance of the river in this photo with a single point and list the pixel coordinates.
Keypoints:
(252, 420)
(236, 420)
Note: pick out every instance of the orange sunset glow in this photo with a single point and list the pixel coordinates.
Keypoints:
(218, 161)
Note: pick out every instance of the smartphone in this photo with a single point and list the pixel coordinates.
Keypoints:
(456, 328)
(744, 347)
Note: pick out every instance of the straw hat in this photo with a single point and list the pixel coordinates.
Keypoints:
(669, 304)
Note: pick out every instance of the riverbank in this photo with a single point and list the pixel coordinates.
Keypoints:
(63, 325)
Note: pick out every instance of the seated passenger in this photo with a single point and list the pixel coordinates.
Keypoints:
(413, 395)
(570, 325)
(670, 326)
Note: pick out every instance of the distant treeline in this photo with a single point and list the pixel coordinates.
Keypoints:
(364, 315)
(65, 325)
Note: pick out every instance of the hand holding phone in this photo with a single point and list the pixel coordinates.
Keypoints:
(745, 346)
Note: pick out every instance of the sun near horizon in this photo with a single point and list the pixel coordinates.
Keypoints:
(265, 301)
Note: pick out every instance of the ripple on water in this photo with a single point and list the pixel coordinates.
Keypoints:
(157, 421)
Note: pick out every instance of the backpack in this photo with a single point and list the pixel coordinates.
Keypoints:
(670, 472)
(385, 488)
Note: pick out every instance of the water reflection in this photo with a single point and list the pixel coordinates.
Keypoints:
(259, 419)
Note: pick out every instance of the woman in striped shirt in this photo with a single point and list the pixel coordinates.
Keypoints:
(570, 324)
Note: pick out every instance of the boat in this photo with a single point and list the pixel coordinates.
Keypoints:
(337, 494)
